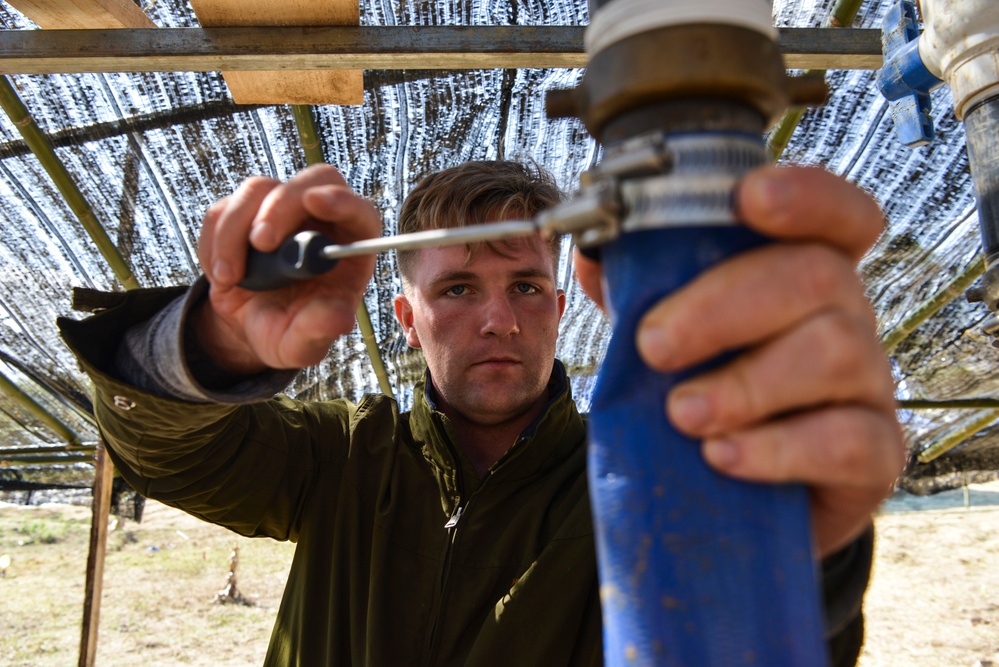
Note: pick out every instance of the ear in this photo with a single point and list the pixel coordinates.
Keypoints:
(404, 314)
(589, 274)
(561, 304)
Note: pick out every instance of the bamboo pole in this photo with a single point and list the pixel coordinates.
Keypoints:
(953, 288)
(957, 436)
(43, 149)
(31, 459)
(13, 451)
(308, 133)
(103, 477)
(841, 16)
(38, 410)
(308, 136)
(948, 404)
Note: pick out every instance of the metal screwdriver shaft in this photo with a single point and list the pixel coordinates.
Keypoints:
(310, 253)
(496, 231)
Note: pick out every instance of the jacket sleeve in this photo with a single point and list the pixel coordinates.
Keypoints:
(845, 576)
(249, 467)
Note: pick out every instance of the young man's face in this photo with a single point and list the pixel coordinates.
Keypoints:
(487, 327)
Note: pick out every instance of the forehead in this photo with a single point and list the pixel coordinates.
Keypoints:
(525, 254)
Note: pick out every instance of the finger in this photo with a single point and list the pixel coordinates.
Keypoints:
(298, 332)
(849, 455)
(845, 445)
(810, 204)
(207, 232)
(230, 229)
(283, 212)
(831, 358)
(588, 273)
(746, 300)
(356, 217)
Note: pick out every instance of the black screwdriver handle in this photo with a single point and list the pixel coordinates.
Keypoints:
(299, 257)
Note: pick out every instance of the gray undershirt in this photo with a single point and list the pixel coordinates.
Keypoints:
(161, 357)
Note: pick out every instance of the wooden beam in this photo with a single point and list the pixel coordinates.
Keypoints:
(286, 87)
(103, 478)
(83, 14)
(376, 48)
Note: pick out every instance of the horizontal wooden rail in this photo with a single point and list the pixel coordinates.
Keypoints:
(364, 47)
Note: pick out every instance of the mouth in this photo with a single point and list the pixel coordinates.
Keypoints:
(497, 362)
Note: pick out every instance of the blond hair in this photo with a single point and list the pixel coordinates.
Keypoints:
(474, 193)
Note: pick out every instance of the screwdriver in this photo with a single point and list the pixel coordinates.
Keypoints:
(308, 254)
(592, 216)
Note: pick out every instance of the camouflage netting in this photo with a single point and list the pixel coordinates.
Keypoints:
(152, 151)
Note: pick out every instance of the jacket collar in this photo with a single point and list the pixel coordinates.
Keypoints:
(546, 443)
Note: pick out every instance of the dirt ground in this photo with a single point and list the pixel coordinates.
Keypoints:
(933, 601)
(934, 595)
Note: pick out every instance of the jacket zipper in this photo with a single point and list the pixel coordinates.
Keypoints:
(452, 527)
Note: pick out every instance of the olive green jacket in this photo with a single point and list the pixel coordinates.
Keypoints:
(404, 556)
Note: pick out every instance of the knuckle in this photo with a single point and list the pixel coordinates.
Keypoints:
(840, 339)
(322, 170)
(216, 209)
(872, 214)
(258, 185)
(821, 273)
(853, 358)
(740, 402)
(858, 437)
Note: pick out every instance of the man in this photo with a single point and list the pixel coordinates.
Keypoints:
(459, 533)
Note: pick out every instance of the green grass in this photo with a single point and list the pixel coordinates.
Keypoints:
(161, 577)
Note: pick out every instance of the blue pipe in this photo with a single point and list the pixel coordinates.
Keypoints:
(696, 569)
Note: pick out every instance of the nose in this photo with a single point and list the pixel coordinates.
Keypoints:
(499, 318)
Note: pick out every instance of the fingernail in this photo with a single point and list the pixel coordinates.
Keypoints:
(720, 453)
(769, 192)
(689, 411)
(777, 193)
(222, 272)
(654, 346)
(262, 234)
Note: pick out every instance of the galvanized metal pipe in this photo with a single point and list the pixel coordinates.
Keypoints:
(308, 136)
(43, 149)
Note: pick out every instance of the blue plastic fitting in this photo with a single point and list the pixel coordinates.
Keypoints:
(904, 79)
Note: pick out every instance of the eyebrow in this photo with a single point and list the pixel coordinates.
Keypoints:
(460, 276)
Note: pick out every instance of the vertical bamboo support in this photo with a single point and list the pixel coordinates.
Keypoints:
(841, 16)
(44, 150)
(103, 477)
(308, 136)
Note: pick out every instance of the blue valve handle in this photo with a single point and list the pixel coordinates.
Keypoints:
(299, 258)
(696, 569)
(904, 79)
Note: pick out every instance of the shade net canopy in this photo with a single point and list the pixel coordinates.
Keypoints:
(150, 152)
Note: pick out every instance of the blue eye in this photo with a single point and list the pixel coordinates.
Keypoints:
(456, 290)
(526, 288)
